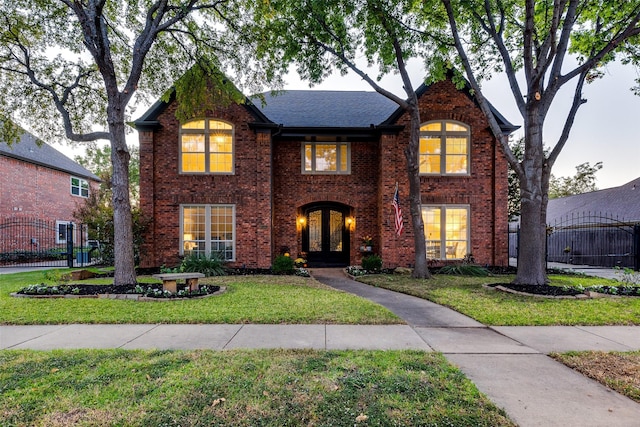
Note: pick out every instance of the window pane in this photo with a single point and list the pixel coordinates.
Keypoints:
(456, 233)
(431, 127)
(457, 146)
(315, 231)
(192, 143)
(220, 163)
(455, 127)
(343, 158)
(217, 124)
(222, 230)
(336, 222)
(456, 164)
(193, 163)
(308, 156)
(326, 158)
(195, 124)
(193, 229)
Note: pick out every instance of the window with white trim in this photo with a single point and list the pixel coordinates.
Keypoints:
(61, 231)
(444, 148)
(446, 231)
(206, 146)
(319, 157)
(206, 229)
(79, 187)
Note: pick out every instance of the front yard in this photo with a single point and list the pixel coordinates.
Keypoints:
(248, 299)
(468, 296)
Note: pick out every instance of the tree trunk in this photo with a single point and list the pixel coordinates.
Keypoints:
(534, 186)
(122, 222)
(421, 269)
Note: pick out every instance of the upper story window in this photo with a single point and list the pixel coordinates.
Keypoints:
(206, 146)
(79, 187)
(444, 148)
(326, 157)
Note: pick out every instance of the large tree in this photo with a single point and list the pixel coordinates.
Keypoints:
(542, 47)
(336, 35)
(75, 67)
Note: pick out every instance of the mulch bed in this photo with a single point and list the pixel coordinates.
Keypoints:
(546, 290)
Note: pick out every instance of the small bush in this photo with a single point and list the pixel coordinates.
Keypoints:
(208, 265)
(372, 263)
(283, 265)
(464, 270)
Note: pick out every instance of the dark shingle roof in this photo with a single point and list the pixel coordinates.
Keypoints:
(44, 155)
(324, 108)
(622, 202)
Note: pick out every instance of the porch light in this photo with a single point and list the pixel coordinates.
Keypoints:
(300, 222)
(350, 223)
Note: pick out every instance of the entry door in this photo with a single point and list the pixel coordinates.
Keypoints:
(326, 239)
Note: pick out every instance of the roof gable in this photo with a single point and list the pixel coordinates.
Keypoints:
(42, 154)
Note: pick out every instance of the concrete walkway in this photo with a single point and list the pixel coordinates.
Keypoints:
(508, 364)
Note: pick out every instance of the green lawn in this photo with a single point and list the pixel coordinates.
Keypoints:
(238, 388)
(248, 299)
(467, 295)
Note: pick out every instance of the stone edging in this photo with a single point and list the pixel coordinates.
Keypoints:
(586, 295)
(130, 297)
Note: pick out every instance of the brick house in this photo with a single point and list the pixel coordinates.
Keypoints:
(38, 186)
(314, 172)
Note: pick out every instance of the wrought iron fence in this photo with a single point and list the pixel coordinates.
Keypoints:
(34, 242)
(589, 238)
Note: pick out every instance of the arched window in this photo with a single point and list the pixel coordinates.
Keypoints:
(206, 146)
(444, 148)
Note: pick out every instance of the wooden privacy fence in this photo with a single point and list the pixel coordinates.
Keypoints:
(589, 238)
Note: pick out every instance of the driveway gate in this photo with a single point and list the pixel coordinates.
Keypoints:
(589, 239)
(34, 242)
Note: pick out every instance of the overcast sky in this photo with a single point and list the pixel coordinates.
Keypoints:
(604, 129)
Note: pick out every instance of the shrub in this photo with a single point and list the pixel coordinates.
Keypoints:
(283, 265)
(372, 263)
(464, 270)
(212, 265)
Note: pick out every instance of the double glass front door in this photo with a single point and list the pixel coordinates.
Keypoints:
(325, 239)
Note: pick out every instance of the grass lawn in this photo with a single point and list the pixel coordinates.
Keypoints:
(238, 388)
(619, 371)
(248, 299)
(467, 295)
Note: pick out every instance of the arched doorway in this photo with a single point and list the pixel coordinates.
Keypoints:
(325, 238)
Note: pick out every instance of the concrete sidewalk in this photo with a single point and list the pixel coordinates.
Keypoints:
(509, 364)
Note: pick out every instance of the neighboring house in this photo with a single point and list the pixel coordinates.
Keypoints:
(600, 228)
(311, 173)
(622, 202)
(38, 185)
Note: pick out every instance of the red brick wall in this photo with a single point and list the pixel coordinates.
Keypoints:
(484, 190)
(29, 190)
(163, 190)
(293, 190)
(267, 204)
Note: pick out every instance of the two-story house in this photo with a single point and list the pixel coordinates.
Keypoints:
(312, 173)
(40, 188)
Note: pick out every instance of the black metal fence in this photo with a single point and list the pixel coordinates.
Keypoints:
(588, 238)
(34, 242)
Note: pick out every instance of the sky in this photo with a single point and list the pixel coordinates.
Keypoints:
(604, 129)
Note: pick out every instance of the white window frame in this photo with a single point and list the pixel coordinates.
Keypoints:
(83, 184)
(207, 153)
(314, 170)
(443, 229)
(207, 217)
(442, 134)
(61, 240)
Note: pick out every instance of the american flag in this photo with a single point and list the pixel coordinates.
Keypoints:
(398, 209)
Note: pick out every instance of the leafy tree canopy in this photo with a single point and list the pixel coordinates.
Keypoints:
(583, 181)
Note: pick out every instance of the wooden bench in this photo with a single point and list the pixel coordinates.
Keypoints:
(169, 280)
